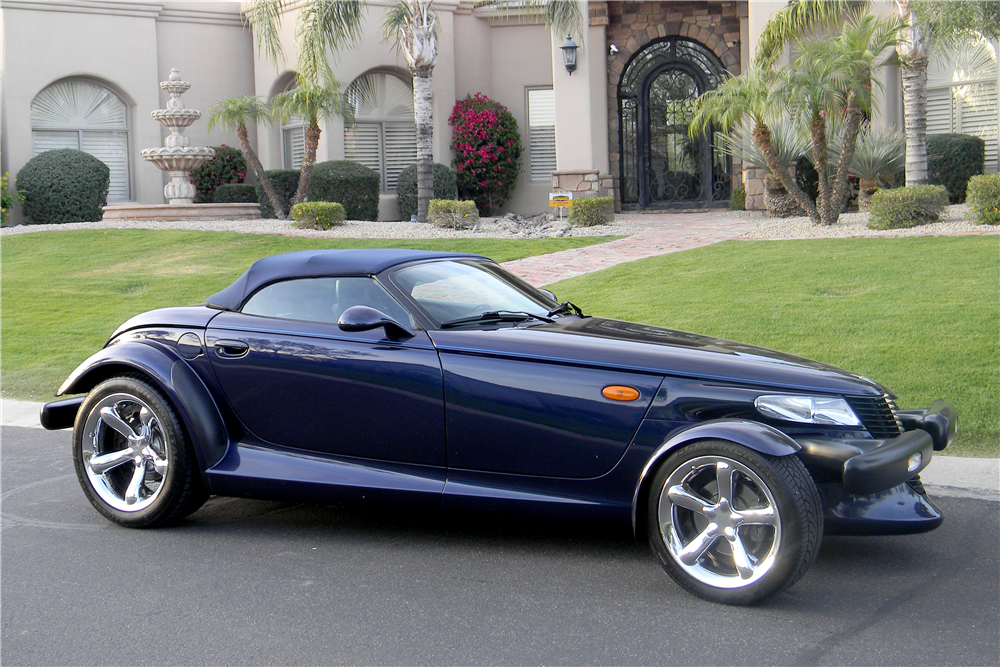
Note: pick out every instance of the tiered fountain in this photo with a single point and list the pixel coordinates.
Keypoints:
(178, 158)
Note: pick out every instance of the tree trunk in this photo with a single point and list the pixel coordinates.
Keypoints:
(423, 117)
(841, 185)
(913, 55)
(308, 160)
(762, 137)
(258, 170)
(817, 132)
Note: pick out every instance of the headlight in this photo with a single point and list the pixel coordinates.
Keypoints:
(808, 409)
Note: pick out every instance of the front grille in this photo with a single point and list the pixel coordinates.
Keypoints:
(878, 416)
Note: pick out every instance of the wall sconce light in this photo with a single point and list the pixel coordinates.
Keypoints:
(569, 54)
(613, 49)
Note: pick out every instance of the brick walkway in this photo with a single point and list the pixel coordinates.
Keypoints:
(662, 233)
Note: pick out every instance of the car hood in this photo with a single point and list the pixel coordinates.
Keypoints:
(627, 345)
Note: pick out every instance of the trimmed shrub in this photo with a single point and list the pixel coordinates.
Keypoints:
(406, 188)
(236, 193)
(452, 214)
(64, 185)
(952, 159)
(590, 211)
(318, 214)
(738, 202)
(228, 166)
(487, 148)
(984, 199)
(286, 182)
(352, 184)
(907, 207)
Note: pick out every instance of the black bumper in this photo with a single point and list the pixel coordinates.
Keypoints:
(868, 466)
(60, 414)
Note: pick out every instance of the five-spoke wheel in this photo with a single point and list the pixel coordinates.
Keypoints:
(733, 525)
(131, 456)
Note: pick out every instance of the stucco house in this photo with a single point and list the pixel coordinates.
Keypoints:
(85, 74)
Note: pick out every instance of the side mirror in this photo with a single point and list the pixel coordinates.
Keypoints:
(549, 294)
(363, 318)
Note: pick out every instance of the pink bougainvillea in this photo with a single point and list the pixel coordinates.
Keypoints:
(487, 148)
(228, 166)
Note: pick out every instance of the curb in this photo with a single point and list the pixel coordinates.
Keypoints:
(951, 476)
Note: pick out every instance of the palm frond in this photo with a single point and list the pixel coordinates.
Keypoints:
(264, 19)
(562, 16)
(325, 27)
(312, 102)
(950, 23)
(796, 20)
(879, 153)
(749, 95)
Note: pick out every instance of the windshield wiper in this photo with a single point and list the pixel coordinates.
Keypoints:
(496, 316)
(566, 306)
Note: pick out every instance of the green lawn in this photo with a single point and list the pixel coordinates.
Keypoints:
(919, 315)
(64, 293)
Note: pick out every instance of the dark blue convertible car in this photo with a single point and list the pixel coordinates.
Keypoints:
(402, 376)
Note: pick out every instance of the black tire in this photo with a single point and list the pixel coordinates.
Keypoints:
(773, 514)
(133, 460)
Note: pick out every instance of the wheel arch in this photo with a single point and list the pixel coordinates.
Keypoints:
(169, 373)
(753, 435)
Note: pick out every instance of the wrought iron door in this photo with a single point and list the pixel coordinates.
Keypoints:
(661, 165)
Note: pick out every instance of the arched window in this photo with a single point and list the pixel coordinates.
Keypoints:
(293, 136)
(384, 137)
(86, 116)
(962, 94)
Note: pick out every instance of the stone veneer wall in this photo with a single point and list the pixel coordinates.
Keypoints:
(633, 25)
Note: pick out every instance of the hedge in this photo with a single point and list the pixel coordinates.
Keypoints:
(64, 185)
(318, 214)
(590, 211)
(350, 183)
(236, 193)
(984, 199)
(952, 159)
(406, 188)
(452, 213)
(907, 207)
(285, 182)
(738, 202)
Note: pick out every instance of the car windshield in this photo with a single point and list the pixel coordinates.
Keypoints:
(451, 291)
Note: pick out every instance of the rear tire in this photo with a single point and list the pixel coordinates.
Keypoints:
(732, 525)
(132, 457)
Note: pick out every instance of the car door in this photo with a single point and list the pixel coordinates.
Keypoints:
(295, 379)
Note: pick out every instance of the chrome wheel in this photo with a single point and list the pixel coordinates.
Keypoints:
(731, 524)
(125, 454)
(719, 522)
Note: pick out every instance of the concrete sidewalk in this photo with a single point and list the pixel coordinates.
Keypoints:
(945, 476)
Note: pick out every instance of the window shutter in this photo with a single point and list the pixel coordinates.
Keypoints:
(979, 118)
(362, 143)
(295, 147)
(50, 141)
(111, 148)
(400, 151)
(541, 133)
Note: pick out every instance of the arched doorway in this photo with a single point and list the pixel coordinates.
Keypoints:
(661, 166)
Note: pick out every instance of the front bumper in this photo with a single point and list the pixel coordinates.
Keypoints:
(60, 414)
(867, 466)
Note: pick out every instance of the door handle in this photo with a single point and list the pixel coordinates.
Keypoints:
(231, 348)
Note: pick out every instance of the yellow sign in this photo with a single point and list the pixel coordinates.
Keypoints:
(559, 199)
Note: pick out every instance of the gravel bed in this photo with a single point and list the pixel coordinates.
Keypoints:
(955, 220)
(364, 229)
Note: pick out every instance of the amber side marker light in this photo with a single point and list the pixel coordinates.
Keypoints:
(619, 393)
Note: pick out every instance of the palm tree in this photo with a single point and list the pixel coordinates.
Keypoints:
(934, 23)
(750, 97)
(833, 78)
(413, 26)
(233, 114)
(311, 103)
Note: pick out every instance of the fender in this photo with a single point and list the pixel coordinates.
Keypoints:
(174, 377)
(753, 435)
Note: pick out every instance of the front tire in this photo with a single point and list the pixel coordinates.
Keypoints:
(732, 525)
(131, 455)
